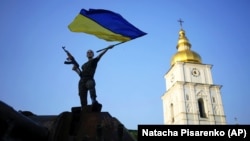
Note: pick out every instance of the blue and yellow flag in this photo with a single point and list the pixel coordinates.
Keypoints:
(105, 25)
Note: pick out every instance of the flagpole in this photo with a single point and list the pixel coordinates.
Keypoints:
(111, 46)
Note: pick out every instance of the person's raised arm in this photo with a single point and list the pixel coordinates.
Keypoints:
(104, 51)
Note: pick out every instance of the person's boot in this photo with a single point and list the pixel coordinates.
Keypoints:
(96, 107)
(94, 101)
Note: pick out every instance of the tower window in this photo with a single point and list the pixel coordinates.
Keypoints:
(187, 97)
(213, 100)
(172, 112)
(201, 108)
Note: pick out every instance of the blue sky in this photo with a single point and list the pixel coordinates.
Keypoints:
(130, 77)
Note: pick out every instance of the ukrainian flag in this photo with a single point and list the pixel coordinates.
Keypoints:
(105, 24)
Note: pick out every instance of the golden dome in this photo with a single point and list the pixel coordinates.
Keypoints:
(185, 54)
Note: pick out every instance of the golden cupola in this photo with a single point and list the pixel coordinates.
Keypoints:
(184, 53)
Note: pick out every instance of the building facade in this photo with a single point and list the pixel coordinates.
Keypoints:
(191, 97)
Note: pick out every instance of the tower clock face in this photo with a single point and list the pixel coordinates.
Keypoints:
(195, 72)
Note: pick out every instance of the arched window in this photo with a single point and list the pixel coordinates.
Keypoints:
(172, 112)
(213, 99)
(201, 108)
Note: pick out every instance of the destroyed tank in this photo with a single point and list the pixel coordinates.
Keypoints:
(79, 124)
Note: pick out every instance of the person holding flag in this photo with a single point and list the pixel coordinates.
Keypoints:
(87, 81)
(106, 25)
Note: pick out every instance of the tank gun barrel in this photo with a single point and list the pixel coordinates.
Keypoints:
(20, 121)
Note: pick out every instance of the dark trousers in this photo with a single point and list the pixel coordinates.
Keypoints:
(84, 86)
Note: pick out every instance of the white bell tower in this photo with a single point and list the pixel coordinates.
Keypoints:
(191, 97)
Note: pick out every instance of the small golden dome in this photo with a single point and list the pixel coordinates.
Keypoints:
(185, 54)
